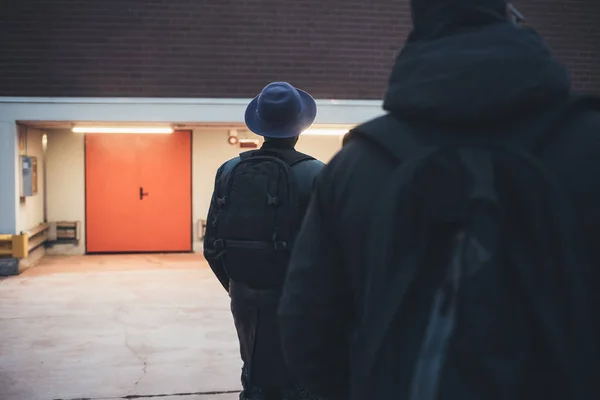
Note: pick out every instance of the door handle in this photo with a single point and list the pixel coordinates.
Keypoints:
(142, 193)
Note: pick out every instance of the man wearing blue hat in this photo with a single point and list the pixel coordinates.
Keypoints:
(256, 210)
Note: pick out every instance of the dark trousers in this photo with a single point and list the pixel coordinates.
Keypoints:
(290, 393)
(265, 375)
(255, 316)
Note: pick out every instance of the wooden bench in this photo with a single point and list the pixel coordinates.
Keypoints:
(64, 232)
(20, 245)
(14, 246)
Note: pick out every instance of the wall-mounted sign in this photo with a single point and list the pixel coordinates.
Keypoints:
(249, 143)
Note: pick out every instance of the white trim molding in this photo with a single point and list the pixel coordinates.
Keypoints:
(9, 177)
(168, 110)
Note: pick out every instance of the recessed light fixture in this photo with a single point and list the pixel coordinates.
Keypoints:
(325, 132)
(107, 129)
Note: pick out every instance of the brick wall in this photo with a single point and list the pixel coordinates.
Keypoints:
(572, 28)
(231, 48)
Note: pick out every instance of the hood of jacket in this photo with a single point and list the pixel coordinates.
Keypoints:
(465, 63)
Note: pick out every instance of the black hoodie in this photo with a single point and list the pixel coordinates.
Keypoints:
(469, 65)
(464, 68)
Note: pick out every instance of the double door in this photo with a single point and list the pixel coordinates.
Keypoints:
(138, 193)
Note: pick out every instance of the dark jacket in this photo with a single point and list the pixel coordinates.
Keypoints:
(485, 77)
(254, 308)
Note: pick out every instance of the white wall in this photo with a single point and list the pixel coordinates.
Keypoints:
(66, 184)
(320, 147)
(66, 173)
(31, 209)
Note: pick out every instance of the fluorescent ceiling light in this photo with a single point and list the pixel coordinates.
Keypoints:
(325, 132)
(106, 129)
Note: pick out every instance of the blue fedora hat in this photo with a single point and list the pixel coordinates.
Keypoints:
(280, 111)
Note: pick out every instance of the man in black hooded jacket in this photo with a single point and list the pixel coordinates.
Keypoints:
(464, 65)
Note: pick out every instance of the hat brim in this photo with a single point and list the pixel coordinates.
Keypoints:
(295, 127)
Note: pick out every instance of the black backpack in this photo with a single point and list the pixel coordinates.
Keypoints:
(258, 216)
(477, 279)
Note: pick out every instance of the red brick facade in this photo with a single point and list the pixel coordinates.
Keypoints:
(230, 48)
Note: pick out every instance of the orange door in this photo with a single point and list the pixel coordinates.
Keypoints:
(167, 179)
(138, 193)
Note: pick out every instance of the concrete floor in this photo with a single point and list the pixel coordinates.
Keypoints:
(107, 327)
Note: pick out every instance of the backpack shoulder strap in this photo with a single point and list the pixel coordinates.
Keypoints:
(293, 157)
(247, 154)
(300, 157)
(289, 156)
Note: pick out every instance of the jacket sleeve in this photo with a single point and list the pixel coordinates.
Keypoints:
(314, 308)
(210, 253)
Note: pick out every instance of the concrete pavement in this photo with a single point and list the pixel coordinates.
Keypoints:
(108, 327)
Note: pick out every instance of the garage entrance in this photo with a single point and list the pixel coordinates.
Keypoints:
(138, 192)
